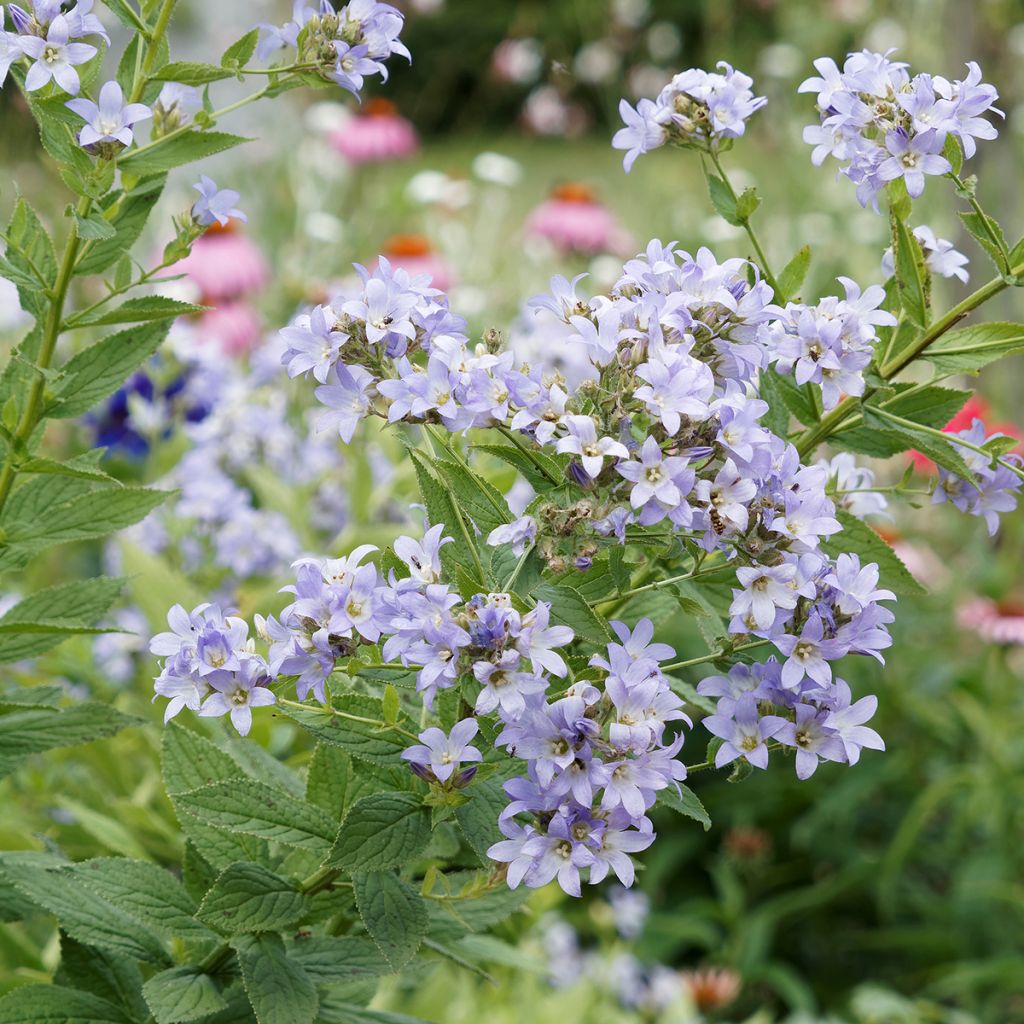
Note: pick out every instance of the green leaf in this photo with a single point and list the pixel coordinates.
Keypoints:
(36, 731)
(746, 203)
(278, 988)
(688, 804)
(393, 912)
(327, 781)
(126, 14)
(329, 958)
(178, 150)
(99, 370)
(54, 1004)
(251, 898)
(239, 53)
(182, 994)
(93, 227)
(146, 892)
(793, 273)
(911, 274)
(381, 831)
(482, 501)
(954, 153)
(145, 307)
(187, 72)
(84, 914)
(254, 809)
(29, 255)
(94, 514)
(360, 739)
(940, 452)
(858, 538)
(76, 606)
(541, 471)
(797, 398)
(80, 467)
(351, 1013)
(569, 608)
(723, 201)
(478, 816)
(991, 240)
(101, 973)
(127, 213)
(971, 348)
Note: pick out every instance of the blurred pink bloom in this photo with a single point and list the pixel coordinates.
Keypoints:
(995, 622)
(223, 265)
(414, 255)
(545, 112)
(233, 327)
(377, 134)
(574, 221)
(518, 60)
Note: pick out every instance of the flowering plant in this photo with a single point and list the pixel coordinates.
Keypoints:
(490, 707)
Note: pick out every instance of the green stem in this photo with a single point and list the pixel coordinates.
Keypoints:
(713, 656)
(152, 49)
(758, 251)
(51, 332)
(510, 582)
(813, 436)
(986, 224)
(949, 439)
(673, 579)
(284, 702)
(525, 449)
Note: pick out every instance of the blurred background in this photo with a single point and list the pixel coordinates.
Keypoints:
(889, 893)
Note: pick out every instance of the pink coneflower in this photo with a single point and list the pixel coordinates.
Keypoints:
(995, 622)
(233, 327)
(414, 255)
(377, 134)
(224, 264)
(574, 221)
(711, 987)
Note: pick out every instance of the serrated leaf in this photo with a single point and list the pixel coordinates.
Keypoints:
(723, 201)
(251, 898)
(179, 150)
(687, 804)
(146, 892)
(793, 273)
(84, 914)
(240, 52)
(101, 973)
(279, 989)
(257, 810)
(478, 817)
(330, 959)
(798, 399)
(940, 452)
(327, 780)
(360, 739)
(127, 214)
(99, 370)
(971, 348)
(571, 609)
(988, 234)
(858, 538)
(54, 1004)
(187, 72)
(78, 467)
(182, 994)
(911, 274)
(381, 831)
(393, 912)
(138, 310)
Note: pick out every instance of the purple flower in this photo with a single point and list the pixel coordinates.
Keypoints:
(766, 590)
(504, 689)
(536, 640)
(237, 693)
(215, 204)
(912, 159)
(645, 130)
(314, 343)
(744, 733)
(423, 557)
(847, 721)
(583, 441)
(55, 58)
(518, 534)
(443, 754)
(348, 400)
(10, 49)
(813, 738)
(353, 65)
(656, 476)
(809, 653)
(109, 121)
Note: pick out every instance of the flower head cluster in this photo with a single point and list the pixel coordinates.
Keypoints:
(596, 759)
(347, 45)
(48, 38)
(211, 666)
(756, 707)
(994, 484)
(881, 124)
(701, 109)
(829, 344)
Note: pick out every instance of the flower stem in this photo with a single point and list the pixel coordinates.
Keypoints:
(986, 223)
(713, 656)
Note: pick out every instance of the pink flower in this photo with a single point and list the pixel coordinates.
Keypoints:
(232, 327)
(379, 133)
(995, 622)
(575, 222)
(224, 264)
(414, 255)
